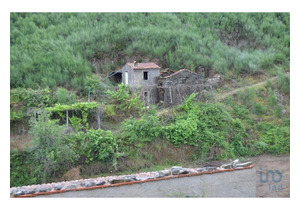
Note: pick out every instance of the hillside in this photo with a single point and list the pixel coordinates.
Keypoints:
(69, 121)
(48, 49)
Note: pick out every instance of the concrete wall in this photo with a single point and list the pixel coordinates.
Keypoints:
(237, 183)
(136, 77)
(130, 74)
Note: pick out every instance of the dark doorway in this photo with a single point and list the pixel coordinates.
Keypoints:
(146, 98)
(116, 76)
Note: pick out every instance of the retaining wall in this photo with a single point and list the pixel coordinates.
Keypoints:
(238, 183)
(229, 180)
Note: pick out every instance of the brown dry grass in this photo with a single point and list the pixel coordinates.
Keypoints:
(73, 174)
(20, 142)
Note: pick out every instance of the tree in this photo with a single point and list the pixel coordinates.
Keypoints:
(49, 149)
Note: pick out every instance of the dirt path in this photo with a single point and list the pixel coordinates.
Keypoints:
(224, 95)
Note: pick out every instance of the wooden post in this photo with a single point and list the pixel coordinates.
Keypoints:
(89, 95)
(98, 118)
(67, 118)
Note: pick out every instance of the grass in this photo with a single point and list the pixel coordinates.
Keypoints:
(48, 49)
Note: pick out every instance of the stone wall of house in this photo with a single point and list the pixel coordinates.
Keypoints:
(181, 77)
(175, 95)
(147, 94)
(138, 78)
(174, 88)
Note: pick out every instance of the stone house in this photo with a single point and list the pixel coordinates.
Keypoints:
(168, 87)
(142, 77)
(140, 74)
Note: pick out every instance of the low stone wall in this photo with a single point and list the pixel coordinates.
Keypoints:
(229, 180)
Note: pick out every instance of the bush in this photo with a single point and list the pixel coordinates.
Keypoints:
(146, 129)
(283, 82)
(125, 103)
(63, 96)
(277, 138)
(272, 101)
(184, 130)
(210, 128)
(278, 111)
(49, 149)
(31, 98)
(94, 145)
(23, 169)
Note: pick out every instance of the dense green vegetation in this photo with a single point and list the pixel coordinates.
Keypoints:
(59, 62)
(48, 49)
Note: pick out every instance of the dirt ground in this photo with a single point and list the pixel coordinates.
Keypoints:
(268, 164)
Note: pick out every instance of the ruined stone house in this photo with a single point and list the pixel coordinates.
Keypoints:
(167, 88)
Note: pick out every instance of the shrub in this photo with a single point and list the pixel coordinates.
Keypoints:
(76, 123)
(31, 98)
(260, 109)
(125, 103)
(283, 82)
(184, 130)
(94, 145)
(278, 111)
(23, 169)
(272, 100)
(210, 128)
(188, 103)
(109, 112)
(277, 138)
(146, 129)
(63, 96)
(49, 149)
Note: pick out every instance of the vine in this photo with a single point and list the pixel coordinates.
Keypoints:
(83, 107)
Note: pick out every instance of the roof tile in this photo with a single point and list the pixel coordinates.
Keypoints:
(143, 66)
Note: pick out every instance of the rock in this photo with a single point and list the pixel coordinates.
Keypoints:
(211, 168)
(19, 192)
(233, 163)
(207, 169)
(144, 178)
(201, 169)
(226, 166)
(184, 171)
(241, 165)
(159, 174)
(44, 188)
(88, 184)
(175, 170)
(123, 179)
(71, 186)
(30, 190)
(101, 182)
(57, 186)
(162, 173)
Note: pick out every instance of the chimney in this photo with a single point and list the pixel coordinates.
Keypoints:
(134, 64)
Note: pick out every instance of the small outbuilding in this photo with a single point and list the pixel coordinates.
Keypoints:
(140, 74)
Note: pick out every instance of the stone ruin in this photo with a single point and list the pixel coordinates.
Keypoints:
(173, 87)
